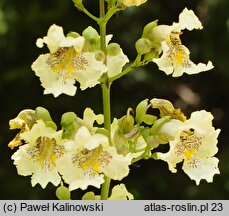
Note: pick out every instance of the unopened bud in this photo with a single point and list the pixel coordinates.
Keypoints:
(113, 49)
(73, 34)
(43, 114)
(63, 193)
(143, 46)
(68, 118)
(91, 35)
(99, 55)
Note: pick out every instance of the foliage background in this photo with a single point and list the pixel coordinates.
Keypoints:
(22, 22)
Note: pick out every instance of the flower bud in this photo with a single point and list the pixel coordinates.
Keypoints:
(143, 46)
(91, 35)
(68, 118)
(68, 125)
(73, 34)
(63, 193)
(78, 4)
(89, 196)
(113, 49)
(44, 115)
(99, 55)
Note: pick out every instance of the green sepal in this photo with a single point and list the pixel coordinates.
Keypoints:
(160, 122)
(63, 193)
(141, 110)
(43, 114)
(126, 123)
(51, 124)
(121, 143)
(154, 53)
(148, 28)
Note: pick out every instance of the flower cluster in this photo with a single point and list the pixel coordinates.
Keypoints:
(89, 151)
(75, 58)
(165, 39)
(80, 161)
(81, 154)
(194, 142)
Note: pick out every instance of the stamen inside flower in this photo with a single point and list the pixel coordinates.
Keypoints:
(46, 151)
(177, 52)
(189, 143)
(65, 61)
(92, 160)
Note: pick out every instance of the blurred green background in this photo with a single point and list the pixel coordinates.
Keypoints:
(22, 22)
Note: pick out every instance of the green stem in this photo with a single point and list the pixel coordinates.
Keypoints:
(81, 7)
(106, 106)
(105, 188)
(105, 91)
(89, 14)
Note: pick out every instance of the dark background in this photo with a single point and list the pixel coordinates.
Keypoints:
(22, 22)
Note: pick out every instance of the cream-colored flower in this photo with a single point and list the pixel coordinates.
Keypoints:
(89, 158)
(129, 3)
(119, 192)
(39, 155)
(175, 58)
(66, 63)
(194, 142)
